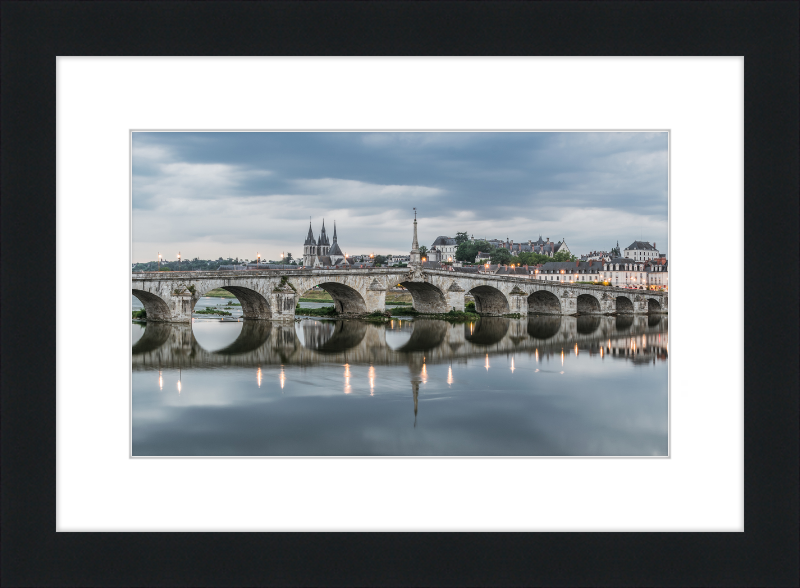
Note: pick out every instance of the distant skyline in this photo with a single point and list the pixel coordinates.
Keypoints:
(235, 194)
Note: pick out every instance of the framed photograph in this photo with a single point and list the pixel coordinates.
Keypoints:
(321, 341)
(275, 454)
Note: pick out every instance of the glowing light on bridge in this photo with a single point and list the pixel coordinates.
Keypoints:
(372, 380)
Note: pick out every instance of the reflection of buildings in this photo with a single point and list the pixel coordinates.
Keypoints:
(354, 342)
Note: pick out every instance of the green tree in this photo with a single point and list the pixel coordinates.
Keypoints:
(526, 258)
(500, 256)
(467, 251)
(379, 260)
(164, 268)
(461, 238)
(423, 251)
(563, 256)
(288, 258)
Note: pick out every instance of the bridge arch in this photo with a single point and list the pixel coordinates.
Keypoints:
(487, 331)
(156, 307)
(332, 336)
(254, 334)
(346, 299)
(624, 305)
(588, 304)
(544, 302)
(544, 327)
(426, 297)
(653, 305)
(586, 325)
(425, 335)
(254, 304)
(489, 300)
(154, 336)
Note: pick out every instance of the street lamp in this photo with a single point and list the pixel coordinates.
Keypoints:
(179, 261)
(258, 259)
(159, 262)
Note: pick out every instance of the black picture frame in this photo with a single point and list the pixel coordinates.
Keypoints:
(35, 33)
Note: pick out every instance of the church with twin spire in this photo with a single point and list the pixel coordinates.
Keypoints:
(322, 252)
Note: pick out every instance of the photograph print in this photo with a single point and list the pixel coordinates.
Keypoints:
(377, 294)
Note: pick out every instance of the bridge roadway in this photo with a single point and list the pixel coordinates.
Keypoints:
(267, 343)
(273, 294)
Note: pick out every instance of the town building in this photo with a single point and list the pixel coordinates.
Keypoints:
(392, 260)
(640, 251)
(443, 249)
(323, 252)
(657, 273)
(569, 271)
(597, 256)
(624, 271)
(540, 246)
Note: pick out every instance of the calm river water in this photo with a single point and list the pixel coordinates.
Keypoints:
(541, 386)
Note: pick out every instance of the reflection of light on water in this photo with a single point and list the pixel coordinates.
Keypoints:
(160, 381)
(179, 386)
(371, 380)
(536, 370)
(601, 352)
(537, 356)
(258, 377)
(562, 371)
(424, 374)
(347, 388)
(471, 328)
(562, 358)
(576, 350)
(282, 377)
(512, 365)
(487, 362)
(449, 375)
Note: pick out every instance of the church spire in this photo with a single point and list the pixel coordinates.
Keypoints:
(414, 258)
(334, 231)
(310, 236)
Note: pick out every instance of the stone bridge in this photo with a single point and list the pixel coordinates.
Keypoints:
(310, 342)
(273, 294)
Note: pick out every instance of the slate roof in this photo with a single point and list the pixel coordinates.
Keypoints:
(442, 240)
(335, 249)
(570, 267)
(641, 245)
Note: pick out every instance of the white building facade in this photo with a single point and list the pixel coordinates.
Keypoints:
(641, 251)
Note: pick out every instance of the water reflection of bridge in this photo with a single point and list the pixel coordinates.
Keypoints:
(170, 345)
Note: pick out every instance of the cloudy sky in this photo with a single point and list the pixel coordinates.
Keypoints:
(235, 194)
